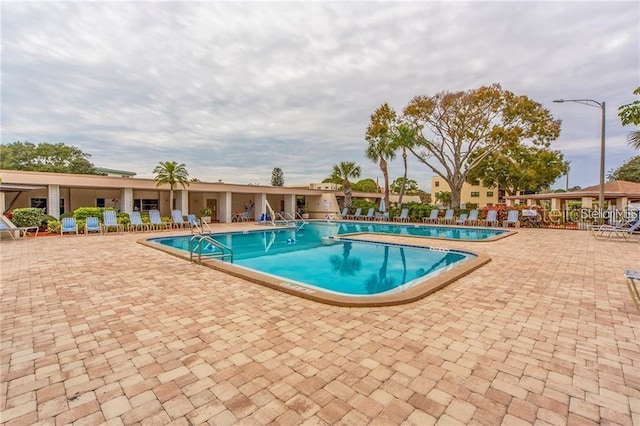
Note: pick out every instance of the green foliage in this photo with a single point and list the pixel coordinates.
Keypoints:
(380, 135)
(171, 173)
(205, 211)
(45, 157)
(53, 226)
(410, 186)
(444, 197)
(85, 212)
(455, 126)
(277, 177)
(517, 167)
(342, 172)
(28, 217)
(630, 114)
(365, 185)
(629, 171)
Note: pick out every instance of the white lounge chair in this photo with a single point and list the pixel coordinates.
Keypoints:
(492, 218)
(433, 216)
(472, 219)
(512, 219)
(448, 217)
(14, 231)
(404, 216)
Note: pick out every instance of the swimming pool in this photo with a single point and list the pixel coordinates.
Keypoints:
(414, 230)
(311, 262)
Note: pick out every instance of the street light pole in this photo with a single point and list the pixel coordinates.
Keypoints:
(602, 106)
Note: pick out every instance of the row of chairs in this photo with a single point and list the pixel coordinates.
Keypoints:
(372, 214)
(629, 230)
(472, 218)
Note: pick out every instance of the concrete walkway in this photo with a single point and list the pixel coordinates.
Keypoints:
(100, 329)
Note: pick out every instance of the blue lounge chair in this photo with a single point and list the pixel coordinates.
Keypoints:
(512, 219)
(110, 220)
(382, 216)
(462, 219)
(344, 213)
(156, 220)
(14, 231)
(370, 214)
(472, 219)
(68, 225)
(433, 216)
(92, 224)
(609, 231)
(135, 222)
(448, 217)
(178, 219)
(404, 216)
(356, 215)
(492, 218)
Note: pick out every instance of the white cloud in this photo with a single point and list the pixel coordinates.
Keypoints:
(235, 89)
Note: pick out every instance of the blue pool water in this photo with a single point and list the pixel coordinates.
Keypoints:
(310, 257)
(432, 231)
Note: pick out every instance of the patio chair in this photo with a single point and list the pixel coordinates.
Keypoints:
(178, 219)
(356, 215)
(370, 214)
(344, 213)
(512, 219)
(608, 231)
(462, 219)
(633, 277)
(472, 219)
(68, 225)
(382, 216)
(433, 216)
(92, 224)
(156, 220)
(110, 220)
(16, 231)
(404, 216)
(135, 222)
(492, 218)
(448, 217)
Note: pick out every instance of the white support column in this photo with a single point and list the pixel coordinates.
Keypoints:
(2, 203)
(261, 205)
(126, 200)
(587, 202)
(182, 201)
(556, 204)
(224, 207)
(290, 204)
(53, 202)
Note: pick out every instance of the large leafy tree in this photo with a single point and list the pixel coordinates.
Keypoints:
(402, 184)
(45, 157)
(380, 135)
(404, 137)
(630, 114)
(344, 171)
(455, 126)
(171, 173)
(365, 185)
(519, 168)
(277, 177)
(629, 171)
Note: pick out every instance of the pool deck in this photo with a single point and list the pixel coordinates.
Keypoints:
(102, 330)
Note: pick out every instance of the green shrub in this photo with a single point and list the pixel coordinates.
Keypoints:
(53, 226)
(85, 212)
(28, 217)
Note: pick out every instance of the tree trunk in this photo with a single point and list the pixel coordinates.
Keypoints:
(385, 173)
(404, 177)
(347, 195)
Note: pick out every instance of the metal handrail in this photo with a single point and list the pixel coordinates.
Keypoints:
(225, 251)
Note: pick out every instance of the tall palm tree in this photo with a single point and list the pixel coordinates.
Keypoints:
(404, 138)
(171, 173)
(380, 137)
(344, 171)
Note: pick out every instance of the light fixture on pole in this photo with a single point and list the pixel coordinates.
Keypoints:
(601, 105)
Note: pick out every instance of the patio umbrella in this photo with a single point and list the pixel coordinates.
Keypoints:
(382, 206)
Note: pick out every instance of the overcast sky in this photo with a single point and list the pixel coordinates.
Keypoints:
(233, 90)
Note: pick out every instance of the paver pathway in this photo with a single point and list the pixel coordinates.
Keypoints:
(101, 330)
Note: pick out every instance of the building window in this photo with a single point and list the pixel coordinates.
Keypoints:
(475, 183)
(437, 184)
(489, 193)
(39, 203)
(475, 194)
(100, 202)
(144, 205)
(62, 210)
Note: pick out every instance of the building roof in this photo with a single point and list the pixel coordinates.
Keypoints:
(613, 189)
(114, 171)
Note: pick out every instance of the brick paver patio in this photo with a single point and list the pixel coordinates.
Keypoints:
(101, 330)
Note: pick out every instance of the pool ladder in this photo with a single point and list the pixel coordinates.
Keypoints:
(198, 242)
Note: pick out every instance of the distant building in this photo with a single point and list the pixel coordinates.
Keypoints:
(474, 193)
(112, 172)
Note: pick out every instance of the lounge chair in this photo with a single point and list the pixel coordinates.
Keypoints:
(15, 231)
(156, 220)
(433, 216)
(135, 222)
(633, 277)
(382, 216)
(448, 217)
(356, 215)
(512, 219)
(370, 214)
(472, 219)
(462, 219)
(110, 220)
(344, 213)
(492, 218)
(68, 225)
(178, 219)
(92, 224)
(404, 216)
(608, 231)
